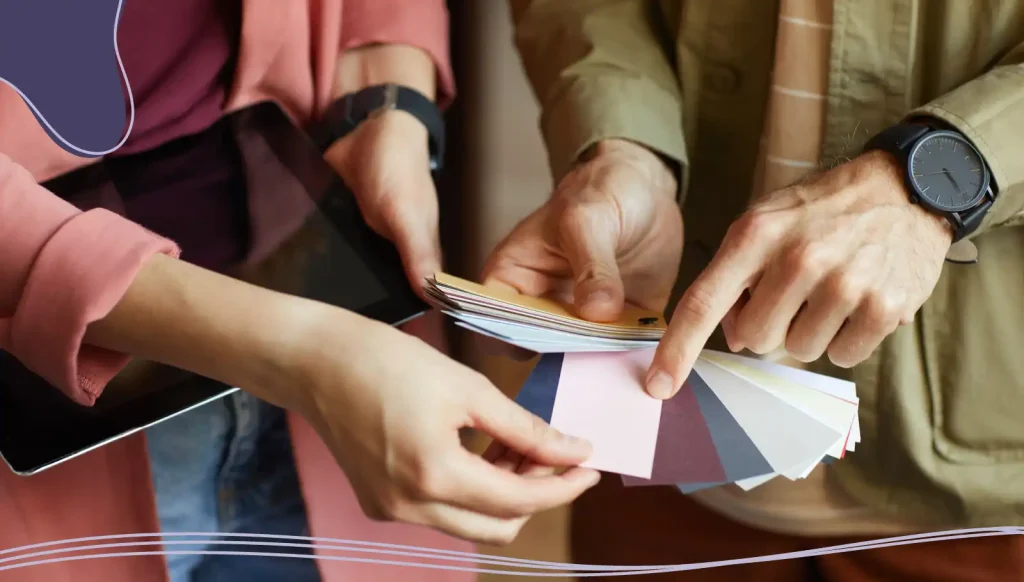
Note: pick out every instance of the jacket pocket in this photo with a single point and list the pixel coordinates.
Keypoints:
(972, 332)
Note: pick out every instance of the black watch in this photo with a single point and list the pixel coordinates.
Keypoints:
(943, 172)
(345, 114)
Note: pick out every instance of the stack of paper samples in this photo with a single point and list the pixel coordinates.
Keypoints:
(540, 325)
(735, 420)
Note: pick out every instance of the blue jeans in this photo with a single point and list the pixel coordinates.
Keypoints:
(228, 467)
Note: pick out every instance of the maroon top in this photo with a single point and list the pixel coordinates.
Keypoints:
(178, 57)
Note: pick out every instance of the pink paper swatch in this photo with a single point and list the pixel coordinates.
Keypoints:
(601, 398)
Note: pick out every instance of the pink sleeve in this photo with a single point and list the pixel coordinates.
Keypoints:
(419, 23)
(60, 270)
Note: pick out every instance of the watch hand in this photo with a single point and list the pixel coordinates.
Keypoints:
(950, 177)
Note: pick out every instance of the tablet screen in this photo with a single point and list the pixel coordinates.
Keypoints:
(303, 234)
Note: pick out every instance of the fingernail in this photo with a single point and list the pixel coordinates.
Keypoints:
(660, 385)
(599, 296)
(575, 442)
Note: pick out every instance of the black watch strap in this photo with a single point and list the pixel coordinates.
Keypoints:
(898, 139)
(971, 219)
(345, 114)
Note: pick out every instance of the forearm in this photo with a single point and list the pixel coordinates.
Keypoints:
(377, 64)
(421, 25)
(185, 316)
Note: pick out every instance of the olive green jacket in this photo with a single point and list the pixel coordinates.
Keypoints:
(942, 400)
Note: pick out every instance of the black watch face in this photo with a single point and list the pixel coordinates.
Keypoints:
(947, 172)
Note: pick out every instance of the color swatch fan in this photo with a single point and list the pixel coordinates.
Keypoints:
(736, 420)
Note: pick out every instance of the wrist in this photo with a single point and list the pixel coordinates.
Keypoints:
(322, 349)
(184, 316)
(302, 335)
(892, 172)
(661, 171)
(379, 64)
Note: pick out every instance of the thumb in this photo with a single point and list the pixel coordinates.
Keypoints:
(415, 234)
(589, 242)
(499, 417)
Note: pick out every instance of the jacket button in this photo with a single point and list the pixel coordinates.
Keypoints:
(723, 79)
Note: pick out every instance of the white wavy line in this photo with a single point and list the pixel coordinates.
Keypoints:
(663, 570)
(604, 570)
(493, 560)
(268, 536)
(131, 100)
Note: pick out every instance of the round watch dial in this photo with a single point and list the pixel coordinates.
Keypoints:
(948, 172)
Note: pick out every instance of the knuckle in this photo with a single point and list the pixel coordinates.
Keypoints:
(844, 290)
(570, 219)
(429, 480)
(578, 216)
(697, 303)
(434, 484)
(506, 534)
(754, 228)
(541, 432)
(505, 539)
(752, 335)
(883, 311)
(595, 270)
(808, 259)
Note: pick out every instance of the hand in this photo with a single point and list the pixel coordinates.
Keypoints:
(386, 163)
(390, 408)
(834, 264)
(611, 232)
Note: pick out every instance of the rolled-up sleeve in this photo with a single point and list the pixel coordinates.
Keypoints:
(989, 110)
(60, 270)
(601, 69)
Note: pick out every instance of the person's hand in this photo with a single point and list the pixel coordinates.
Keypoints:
(834, 264)
(386, 163)
(387, 405)
(390, 408)
(611, 233)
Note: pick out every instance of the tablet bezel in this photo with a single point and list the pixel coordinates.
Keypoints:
(30, 448)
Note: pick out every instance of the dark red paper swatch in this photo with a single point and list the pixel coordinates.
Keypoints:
(685, 452)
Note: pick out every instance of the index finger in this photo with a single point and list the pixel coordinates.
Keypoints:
(700, 310)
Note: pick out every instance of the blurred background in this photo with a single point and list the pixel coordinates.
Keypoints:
(496, 174)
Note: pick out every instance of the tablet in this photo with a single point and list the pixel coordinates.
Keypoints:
(326, 253)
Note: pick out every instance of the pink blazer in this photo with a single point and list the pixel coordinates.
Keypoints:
(288, 53)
